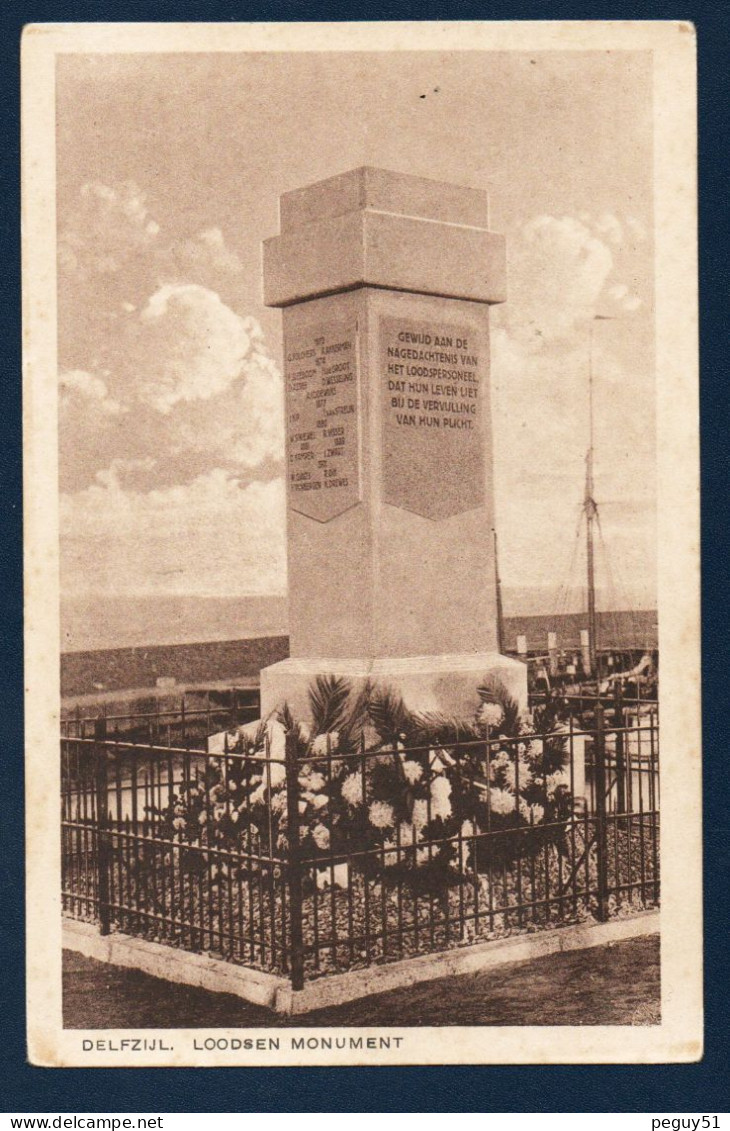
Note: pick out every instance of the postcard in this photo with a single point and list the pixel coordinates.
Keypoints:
(362, 499)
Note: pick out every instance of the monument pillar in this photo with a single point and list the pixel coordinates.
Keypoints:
(385, 282)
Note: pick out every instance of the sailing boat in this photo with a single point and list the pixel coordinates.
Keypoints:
(605, 663)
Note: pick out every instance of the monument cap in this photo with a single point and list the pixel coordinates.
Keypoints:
(374, 228)
(384, 191)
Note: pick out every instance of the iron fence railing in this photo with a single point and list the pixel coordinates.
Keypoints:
(185, 720)
(392, 852)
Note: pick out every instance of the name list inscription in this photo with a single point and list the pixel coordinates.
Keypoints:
(322, 421)
(433, 378)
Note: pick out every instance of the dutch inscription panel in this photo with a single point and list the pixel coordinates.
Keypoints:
(323, 464)
(434, 378)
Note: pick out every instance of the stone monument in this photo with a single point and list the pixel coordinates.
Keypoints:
(385, 282)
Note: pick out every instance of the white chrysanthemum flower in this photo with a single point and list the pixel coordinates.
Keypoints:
(325, 744)
(420, 815)
(412, 771)
(178, 823)
(321, 837)
(258, 795)
(533, 814)
(499, 762)
(319, 801)
(275, 775)
(278, 803)
(553, 782)
(316, 783)
(490, 714)
(440, 798)
(352, 790)
(501, 801)
(390, 853)
(381, 815)
(512, 777)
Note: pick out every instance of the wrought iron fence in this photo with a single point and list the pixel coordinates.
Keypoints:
(185, 720)
(392, 851)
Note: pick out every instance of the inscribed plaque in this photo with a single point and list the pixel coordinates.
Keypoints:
(323, 460)
(434, 380)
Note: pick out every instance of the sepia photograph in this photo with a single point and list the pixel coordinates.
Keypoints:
(361, 525)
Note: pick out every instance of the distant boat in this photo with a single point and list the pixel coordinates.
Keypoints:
(610, 646)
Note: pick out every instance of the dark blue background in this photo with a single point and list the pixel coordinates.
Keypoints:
(702, 1087)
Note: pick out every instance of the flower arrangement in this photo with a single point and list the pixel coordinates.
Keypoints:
(382, 789)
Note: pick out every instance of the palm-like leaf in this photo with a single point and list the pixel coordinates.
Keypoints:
(435, 729)
(353, 727)
(286, 718)
(328, 697)
(260, 736)
(492, 690)
(389, 715)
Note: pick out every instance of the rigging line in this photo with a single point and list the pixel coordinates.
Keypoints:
(621, 594)
(611, 588)
(561, 600)
(560, 592)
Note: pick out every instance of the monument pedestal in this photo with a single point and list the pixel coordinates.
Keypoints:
(385, 282)
(444, 684)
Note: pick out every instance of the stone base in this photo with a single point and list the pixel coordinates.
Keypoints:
(447, 684)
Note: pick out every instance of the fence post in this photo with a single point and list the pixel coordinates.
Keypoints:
(102, 824)
(294, 866)
(620, 752)
(601, 830)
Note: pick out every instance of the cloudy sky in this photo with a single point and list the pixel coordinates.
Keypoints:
(169, 172)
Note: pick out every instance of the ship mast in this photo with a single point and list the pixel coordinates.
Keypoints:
(590, 510)
(500, 612)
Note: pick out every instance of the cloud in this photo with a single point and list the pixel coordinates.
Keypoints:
(205, 252)
(106, 228)
(636, 229)
(89, 388)
(161, 378)
(182, 539)
(557, 271)
(623, 299)
(562, 272)
(189, 346)
(610, 226)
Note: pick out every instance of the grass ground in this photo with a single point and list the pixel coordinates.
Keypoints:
(617, 984)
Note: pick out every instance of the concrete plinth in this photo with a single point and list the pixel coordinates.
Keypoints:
(385, 282)
(447, 684)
